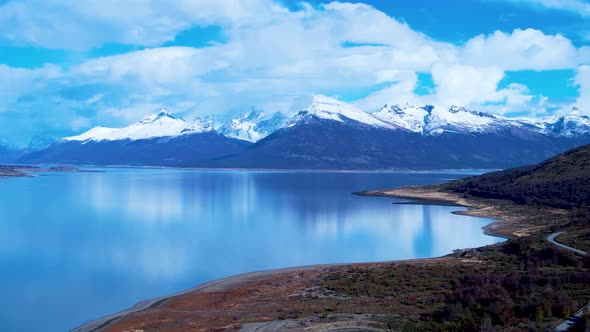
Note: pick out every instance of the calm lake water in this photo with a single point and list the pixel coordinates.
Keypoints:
(78, 246)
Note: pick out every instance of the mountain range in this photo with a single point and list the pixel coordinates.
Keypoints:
(161, 139)
(327, 134)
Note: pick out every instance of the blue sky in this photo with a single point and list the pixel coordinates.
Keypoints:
(66, 66)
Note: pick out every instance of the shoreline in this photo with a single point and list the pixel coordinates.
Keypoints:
(503, 222)
(212, 285)
(414, 195)
(238, 280)
(263, 169)
(24, 171)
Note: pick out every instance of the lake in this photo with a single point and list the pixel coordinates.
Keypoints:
(78, 246)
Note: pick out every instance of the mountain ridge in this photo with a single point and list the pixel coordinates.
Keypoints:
(161, 124)
(328, 134)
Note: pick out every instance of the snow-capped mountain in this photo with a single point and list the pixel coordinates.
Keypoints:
(161, 124)
(158, 139)
(459, 119)
(570, 125)
(253, 126)
(326, 108)
(329, 134)
(407, 117)
(332, 134)
(430, 120)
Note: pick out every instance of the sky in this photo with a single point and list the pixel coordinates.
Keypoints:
(67, 65)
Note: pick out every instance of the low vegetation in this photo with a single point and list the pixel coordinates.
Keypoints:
(524, 284)
(521, 284)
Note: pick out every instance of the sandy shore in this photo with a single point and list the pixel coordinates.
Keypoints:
(509, 218)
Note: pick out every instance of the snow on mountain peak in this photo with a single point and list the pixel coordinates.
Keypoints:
(460, 119)
(161, 124)
(253, 126)
(427, 120)
(571, 124)
(430, 120)
(576, 111)
(408, 117)
(163, 113)
(327, 108)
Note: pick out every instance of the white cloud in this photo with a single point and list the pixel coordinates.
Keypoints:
(79, 122)
(520, 50)
(583, 81)
(166, 66)
(400, 92)
(274, 59)
(74, 24)
(460, 85)
(580, 7)
(14, 82)
(466, 85)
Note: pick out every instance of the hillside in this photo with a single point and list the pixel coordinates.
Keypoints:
(562, 181)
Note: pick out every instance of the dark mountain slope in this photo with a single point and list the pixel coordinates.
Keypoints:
(185, 150)
(323, 144)
(8, 154)
(562, 181)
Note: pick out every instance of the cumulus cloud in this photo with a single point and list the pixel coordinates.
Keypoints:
(79, 122)
(85, 24)
(583, 81)
(520, 50)
(399, 92)
(466, 85)
(273, 58)
(19, 83)
(580, 7)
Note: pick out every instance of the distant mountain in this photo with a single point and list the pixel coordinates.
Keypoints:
(429, 120)
(325, 108)
(253, 126)
(40, 142)
(570, 125)
(158, 139)
(4, 153)
(9, 154)
(329, 134)
(562, 181)
(162, 124)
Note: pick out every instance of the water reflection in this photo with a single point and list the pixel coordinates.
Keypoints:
(100, 242)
